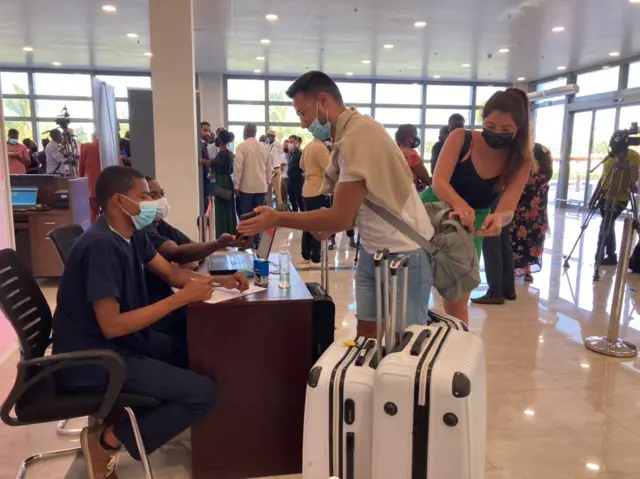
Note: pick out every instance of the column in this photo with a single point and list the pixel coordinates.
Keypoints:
(177, 144)
(211, 87)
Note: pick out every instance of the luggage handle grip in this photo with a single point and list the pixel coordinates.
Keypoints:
(362, 355)
(417, 345)
(324, 267)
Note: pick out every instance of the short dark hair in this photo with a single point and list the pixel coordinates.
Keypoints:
(45, 142)
(13, 132)
(456, 119)
(114, 180)
(404, 132)
(226, 137)
(149, 178)
(250, 130)
(314, 82)
(204, 123)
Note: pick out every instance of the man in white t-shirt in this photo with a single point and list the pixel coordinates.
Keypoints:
(276, 154)
(366, 163)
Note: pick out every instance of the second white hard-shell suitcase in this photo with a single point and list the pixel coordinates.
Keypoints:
(429, 419)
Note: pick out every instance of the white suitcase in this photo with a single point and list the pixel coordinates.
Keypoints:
(429, 418)
(339, 401)
(436, 317)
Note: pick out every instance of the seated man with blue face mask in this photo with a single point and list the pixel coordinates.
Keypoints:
(102, 303)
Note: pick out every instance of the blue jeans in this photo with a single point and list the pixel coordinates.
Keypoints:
(420, 277)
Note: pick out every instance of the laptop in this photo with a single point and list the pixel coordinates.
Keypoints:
(24, 198)
(231, 263)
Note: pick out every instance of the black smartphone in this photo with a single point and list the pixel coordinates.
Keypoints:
(248, 216)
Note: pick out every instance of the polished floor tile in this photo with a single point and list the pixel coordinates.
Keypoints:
(555, 409)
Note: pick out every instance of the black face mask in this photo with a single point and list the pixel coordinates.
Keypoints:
(415, 143)
(286, 149)
(497, 141)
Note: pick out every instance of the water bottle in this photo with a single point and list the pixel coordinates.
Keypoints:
(285, 266)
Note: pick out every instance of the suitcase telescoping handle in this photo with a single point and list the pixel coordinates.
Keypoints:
(381, 258)
(324, 267)
(401, 261)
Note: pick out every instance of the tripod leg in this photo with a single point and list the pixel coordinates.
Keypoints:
(584, 226)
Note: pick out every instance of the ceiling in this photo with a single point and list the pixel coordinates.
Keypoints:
(335, 36)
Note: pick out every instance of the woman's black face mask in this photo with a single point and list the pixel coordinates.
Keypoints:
(415, 143)
(497, 141)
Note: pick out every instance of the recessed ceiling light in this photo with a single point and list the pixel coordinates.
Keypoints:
(634, 1)
(592, 466)
(521, 78)
(349, 74)
(503, 50)
(529, 412)
(132, 35)
(148, 54)
(271, 17)
(260, 59)
(557, 29)
(465, 65)
(436, 76)
(614, 54)
(109, 8)
(388, 46)
(56, 64)
(27, 49)
(265, 41)
(257, 71)
(420, 24)
(366, 62)
(562, 68)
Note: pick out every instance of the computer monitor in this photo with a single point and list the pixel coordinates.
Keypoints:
(24, 197)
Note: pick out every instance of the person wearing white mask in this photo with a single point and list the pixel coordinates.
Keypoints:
(175, 247)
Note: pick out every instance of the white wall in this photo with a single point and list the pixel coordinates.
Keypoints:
(211, 87)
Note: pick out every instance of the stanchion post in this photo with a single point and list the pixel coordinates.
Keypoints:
(611, 345)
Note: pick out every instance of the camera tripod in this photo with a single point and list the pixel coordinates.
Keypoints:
(617, 180)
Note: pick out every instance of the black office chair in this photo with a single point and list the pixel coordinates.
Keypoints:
(63, 239)
(34, 396)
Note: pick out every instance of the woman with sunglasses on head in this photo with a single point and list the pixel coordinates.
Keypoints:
(476, 168)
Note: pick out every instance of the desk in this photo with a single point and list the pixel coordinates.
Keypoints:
(257, 349)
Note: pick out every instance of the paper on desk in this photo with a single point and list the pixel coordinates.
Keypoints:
(222, 294)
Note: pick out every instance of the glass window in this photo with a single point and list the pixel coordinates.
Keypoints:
(634, 75)
(548, 128)
(24, 128)
(62, 84)
(122, 110)
(448, 95)
(238, 132)
(122, 83)
(364, 110)
(53, 108)
(599, 81)
(398, 116)
(548, 85)
(14, 108)
(430, 137)
(14, 83)
(483, 93)
(246, 113)
(278, 90)
(398, 94)
(246, 90)
(283, 114)
(124, 128)
(82, 131)
(355, 92)
(437, 116)
(628, 115)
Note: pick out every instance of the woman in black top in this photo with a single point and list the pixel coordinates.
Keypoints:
(222, 168)
(497, 164)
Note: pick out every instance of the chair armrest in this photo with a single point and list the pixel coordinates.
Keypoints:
(111, 361)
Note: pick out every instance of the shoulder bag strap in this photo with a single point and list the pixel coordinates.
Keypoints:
(402, 227)
(468, 136)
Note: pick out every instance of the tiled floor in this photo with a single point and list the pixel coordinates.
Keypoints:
(555, 409)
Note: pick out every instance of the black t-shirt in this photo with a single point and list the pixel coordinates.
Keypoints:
(102, 264)
(158, 234)
(294, 172)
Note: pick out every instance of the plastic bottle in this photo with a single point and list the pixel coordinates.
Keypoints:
(285, 266)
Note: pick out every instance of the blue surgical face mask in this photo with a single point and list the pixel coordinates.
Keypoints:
(319, 131)
(147, 213)
(13, 141)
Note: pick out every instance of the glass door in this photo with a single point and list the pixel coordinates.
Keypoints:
(590, 145)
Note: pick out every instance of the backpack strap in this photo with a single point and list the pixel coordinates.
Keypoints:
(466, 146)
